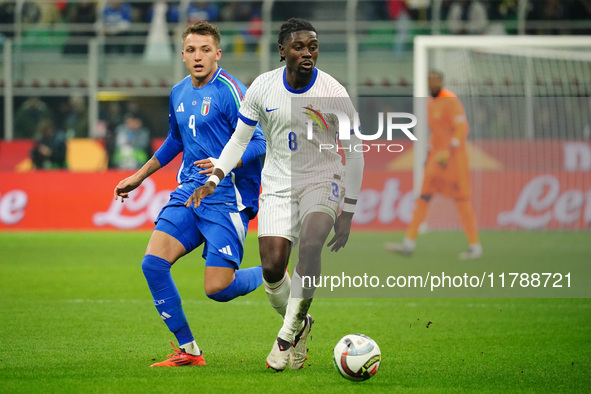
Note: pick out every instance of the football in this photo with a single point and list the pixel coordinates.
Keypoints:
(357, 357)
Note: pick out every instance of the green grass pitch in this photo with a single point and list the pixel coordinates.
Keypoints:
(77, 317)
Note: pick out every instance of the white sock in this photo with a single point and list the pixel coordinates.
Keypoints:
(278, 293)
(297, 309)
(190, 348)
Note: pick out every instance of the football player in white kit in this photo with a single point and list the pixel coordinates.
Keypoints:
(302, 182)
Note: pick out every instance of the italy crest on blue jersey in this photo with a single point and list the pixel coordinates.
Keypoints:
(205, 105)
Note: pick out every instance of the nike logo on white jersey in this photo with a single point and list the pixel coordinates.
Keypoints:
(271, 110)
(226, 250)
(164, 315)
(181, 108)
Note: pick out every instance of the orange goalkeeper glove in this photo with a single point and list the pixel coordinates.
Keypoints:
(443, 157)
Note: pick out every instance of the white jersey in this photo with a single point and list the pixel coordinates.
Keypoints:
(284, 113)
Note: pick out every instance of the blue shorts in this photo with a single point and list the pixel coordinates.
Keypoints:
(222, 232)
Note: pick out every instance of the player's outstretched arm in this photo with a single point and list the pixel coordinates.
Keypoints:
(207, 165)
(255, 148)
(132, 182)
(228, 160)
(460, 131)
(235, 147)
(342, 229)
(354, 164)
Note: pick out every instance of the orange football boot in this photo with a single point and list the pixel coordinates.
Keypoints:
(180, 359)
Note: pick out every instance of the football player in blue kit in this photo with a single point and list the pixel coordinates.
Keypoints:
(203, 115)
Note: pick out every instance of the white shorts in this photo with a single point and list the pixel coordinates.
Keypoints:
(281, 213)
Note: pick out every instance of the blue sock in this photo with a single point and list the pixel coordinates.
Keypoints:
(245, 281)
(166, 297)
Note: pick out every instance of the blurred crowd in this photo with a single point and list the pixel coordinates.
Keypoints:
(486, 16)
(124, 129)
(118, 18)
(126, 25)
(127, 21)
(122, 12)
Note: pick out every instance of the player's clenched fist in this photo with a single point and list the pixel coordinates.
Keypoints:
(199, 194)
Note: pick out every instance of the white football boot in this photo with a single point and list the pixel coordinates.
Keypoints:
(279, 355)
(299, 351)
(404, 248)
(473, 252)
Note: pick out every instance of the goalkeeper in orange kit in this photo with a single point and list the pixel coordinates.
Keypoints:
(446, 170)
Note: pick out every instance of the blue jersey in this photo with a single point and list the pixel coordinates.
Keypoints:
(201, 122)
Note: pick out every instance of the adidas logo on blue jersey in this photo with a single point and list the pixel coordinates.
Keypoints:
(226, 250)
(181, 108)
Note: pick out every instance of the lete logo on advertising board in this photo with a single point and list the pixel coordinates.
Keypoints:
(143, 205)
(12, 206)
(541, 201)
(385, 205)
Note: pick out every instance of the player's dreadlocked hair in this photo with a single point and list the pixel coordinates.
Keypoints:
(204, 29)
(291, 26)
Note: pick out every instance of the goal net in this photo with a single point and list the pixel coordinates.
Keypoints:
(528, 103)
